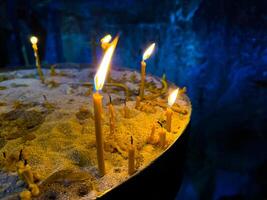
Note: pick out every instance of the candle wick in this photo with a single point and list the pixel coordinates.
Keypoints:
(45, 98)
(131, 139)
(20, 155)
(159, 123)
(125, 101)
(25, 162)
(4, 154)
(110, 100)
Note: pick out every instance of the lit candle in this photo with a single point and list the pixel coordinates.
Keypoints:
(146, 55)
(34, 41)
(171, 100)
(131, 158)
(111, 116)
(99, 81)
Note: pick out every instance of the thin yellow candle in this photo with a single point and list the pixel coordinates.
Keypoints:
(146, 55)
(34, 41)
(151, 138)
(99, 81)
(162, 138)
(137, 102)
(125, 110)
(131, 158)
(171, 100)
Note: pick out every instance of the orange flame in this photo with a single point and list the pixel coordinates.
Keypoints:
(172, 97)
(148, 51)
(101, 73)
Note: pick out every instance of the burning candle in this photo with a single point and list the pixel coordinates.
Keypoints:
(131, 158)
(34, 41)
(146, 55)
(99, 81)
(171, 100)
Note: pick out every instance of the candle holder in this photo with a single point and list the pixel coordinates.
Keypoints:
(34, 41)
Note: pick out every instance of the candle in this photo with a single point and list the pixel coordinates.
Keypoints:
(146, 55)
(99, 81)
(24, 171)
(131, 158)
(171, 100)
(34, 41)
(97, 99)
(125, 110)
(111, 116)
(137, 103)
(151, 138)
(162, 138)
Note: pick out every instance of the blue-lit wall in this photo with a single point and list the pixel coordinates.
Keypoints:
(218, 49)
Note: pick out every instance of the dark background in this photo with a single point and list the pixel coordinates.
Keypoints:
(216, 48)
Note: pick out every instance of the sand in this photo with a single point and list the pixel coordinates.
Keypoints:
(53, 124)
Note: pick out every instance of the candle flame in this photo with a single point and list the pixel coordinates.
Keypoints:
(101, 73)
(33, 39)
(106, 39)
(148, 51)
(172, 97)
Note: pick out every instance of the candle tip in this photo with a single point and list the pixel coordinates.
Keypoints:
(110, 100)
